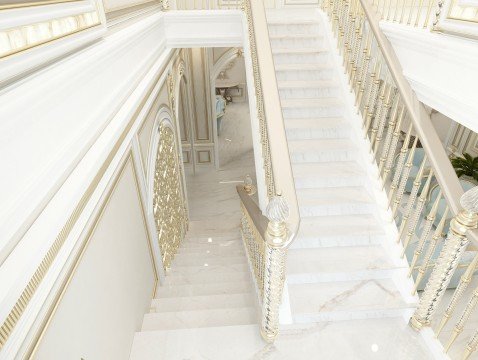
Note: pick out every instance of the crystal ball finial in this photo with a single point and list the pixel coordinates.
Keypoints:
(248, 180)
(277, 210)
(469, 200)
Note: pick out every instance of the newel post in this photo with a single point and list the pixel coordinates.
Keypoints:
(446, 264)
(277, 212)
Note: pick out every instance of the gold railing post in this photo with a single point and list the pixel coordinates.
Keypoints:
(274, 273)
(165, 5)
(446, 264)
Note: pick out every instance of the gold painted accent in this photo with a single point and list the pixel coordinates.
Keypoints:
(33, 3)
(19, 39)
(168, 201)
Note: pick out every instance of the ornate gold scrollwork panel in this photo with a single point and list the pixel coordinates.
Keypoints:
(168, 202)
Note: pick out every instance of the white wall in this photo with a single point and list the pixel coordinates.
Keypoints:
(111, 288)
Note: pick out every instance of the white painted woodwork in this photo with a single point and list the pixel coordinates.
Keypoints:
(441, 69)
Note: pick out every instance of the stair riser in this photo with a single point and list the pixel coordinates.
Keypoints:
(203, 290)
(207, 254)
(323, 156)
(358, 275)
(308, 93)
(192, 270)
(336, 241)
(216, 250)
(313, 112)
(331, 210)
(206, 279)
(297, 42)
(302, 58)
(206, 318)
(338, 132)
(304, 74)
(211, 261)
(203, 303)
(293, 29)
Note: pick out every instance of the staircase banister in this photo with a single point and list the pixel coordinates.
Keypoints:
(281, 167)
(259, 220)
(443, 170)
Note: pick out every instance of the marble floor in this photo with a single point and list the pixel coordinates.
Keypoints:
(235, 137)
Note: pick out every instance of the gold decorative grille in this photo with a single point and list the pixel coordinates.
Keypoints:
(168, 202)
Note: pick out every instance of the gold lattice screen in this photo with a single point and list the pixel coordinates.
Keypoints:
(168, 201)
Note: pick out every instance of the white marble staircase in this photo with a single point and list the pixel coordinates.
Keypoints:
(342, 265)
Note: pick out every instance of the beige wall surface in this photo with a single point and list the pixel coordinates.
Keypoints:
(111, 288)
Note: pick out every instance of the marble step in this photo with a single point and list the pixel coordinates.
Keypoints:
(320, 128)
(370, 339)
(199, 319)
(211, 254)
(208, 259)
(300, 55)
(208, 269)
(205, 278)
(335, 201)
(308, 89)
(171, 291)
(346, 300)
(210, 240)
(204, 302)
(213, 249)
(296, 40)
(345, 263)
(328, 174)
(312, 108)
(223, 342)
(302, 71)
(210, 227)
(322, 150)
(339, 230)
(284, 27)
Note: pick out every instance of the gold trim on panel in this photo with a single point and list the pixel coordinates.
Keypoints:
(71, 272)
(145, 223)
(208, 152)
(33, 3)
(15, 40)
(186, 159)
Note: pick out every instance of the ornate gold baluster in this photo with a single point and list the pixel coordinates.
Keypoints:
(465, 316)
(411, 200)
(448, 260)
(471, 346)
(383, 108)
(419, 11)
(274, 271)
(404, 178)
(393, 145)
(400, 163)
(458, 293)
(372, 97)
(418, 212)
(429, 220)
(437, 236)
(395, 122)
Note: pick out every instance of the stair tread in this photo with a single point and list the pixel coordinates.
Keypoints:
(333, 196)
(321, 145)
(350, 262)
(345, 296)
(357, 224)
(311, 102)
(184, 290)
(328, 169)
(315, 123)
(303, 66)
(296, 35)
(199, 318)
(300, 84)
(298, 50)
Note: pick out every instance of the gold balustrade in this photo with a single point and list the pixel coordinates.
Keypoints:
(423, 190)
(416, 13)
